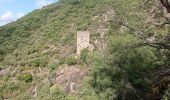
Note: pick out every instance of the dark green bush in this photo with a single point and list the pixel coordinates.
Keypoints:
(167, 94)
(39, 62)
(45, 92)
(138, 63)
(27, 77)
(83, 55)
(52, 66)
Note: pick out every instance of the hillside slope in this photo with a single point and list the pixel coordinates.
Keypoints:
(52, 27)
(45, 39)
(38, 58)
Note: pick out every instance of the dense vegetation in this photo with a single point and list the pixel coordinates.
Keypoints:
(132, 67)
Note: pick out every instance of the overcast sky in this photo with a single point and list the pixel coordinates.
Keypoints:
(11, 10)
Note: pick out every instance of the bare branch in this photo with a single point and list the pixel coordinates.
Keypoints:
(166, 4)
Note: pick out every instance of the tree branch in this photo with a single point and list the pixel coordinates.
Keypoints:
(166, 4)
(157, 45)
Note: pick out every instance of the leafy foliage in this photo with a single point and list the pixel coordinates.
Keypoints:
(71, 60)
(83, 55)
(27, 77)
(167, 94)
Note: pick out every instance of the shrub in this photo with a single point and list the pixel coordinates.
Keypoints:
(52, 66)
(137, 63)
(57, 93)
(8, 87)
(45, 92)
(6, 77)
(71, 60)
(83, 55)
(100, 83)
(1, 97)
(27, 77)
(24, 96)
(39, 62)
(61, 61)
(167, 94)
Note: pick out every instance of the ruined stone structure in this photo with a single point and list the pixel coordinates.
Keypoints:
(82, 41)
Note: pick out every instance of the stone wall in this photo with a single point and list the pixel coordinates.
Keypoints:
(82, 41)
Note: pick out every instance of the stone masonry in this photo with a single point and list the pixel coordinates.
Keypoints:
(82, 41)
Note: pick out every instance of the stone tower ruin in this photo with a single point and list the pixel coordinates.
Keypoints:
(82, 41)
